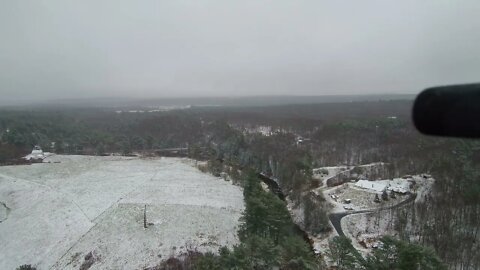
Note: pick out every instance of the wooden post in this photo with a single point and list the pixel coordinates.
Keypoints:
(145, 217)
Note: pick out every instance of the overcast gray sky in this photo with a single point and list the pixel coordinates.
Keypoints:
(76, 49)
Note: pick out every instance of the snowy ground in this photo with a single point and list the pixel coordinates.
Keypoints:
(366, 229)
(361, 199)
(363, 229)
(53, 214)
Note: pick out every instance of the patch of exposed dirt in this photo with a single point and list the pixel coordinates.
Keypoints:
(4, 211)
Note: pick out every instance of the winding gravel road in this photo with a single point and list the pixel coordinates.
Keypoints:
(336, 218)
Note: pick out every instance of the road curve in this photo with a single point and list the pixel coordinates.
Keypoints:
(336, 218)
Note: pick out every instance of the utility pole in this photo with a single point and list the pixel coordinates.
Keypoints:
(145, 217)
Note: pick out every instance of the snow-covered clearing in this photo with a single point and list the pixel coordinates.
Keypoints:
(364, 228)
(56, 213)
(360, 199)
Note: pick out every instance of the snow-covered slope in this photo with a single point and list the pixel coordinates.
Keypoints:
(60, 212)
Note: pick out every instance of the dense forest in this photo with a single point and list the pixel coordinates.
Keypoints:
(268, 238)
(230, 139)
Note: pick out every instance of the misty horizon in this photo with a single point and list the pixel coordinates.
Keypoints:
(258, 100)
(54, 50)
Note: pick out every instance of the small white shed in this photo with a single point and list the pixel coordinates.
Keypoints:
(37, 154)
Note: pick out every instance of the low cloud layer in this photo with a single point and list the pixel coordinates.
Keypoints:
(62, 49)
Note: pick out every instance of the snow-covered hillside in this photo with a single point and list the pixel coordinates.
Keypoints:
(60, 212)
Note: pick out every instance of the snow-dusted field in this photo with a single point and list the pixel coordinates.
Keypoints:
(53, 214)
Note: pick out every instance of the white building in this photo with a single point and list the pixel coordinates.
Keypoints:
(372, 185)
(37, 154)
(399, 185)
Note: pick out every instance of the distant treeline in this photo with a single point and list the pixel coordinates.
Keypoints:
(343, 133)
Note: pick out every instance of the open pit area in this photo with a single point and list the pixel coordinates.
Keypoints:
(74, 210)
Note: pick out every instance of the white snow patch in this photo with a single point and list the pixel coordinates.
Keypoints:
(59, 212)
